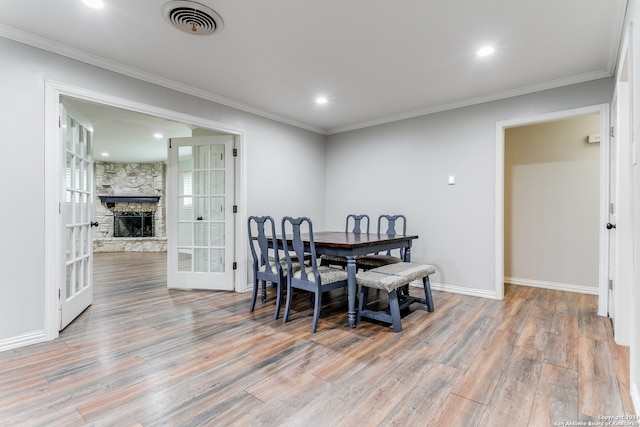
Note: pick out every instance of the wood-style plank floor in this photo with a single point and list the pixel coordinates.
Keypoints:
(143, 355)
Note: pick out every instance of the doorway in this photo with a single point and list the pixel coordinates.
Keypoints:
(603, 111)
(55, 92)
(552, 202)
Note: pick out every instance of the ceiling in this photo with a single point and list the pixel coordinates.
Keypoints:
(375, 61)
(123, 136)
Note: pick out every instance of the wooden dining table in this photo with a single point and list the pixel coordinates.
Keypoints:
(352, 245)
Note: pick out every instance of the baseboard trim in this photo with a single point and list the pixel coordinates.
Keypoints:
(22, 340)
(458, 290)
(552, 285)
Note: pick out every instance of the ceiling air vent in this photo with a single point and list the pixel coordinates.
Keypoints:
(192, 17)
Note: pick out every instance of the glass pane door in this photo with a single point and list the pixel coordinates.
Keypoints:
(77, 293)
(200, 205)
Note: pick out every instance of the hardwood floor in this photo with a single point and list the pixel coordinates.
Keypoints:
(143, 355)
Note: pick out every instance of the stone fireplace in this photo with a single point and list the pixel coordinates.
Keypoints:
(130, 208)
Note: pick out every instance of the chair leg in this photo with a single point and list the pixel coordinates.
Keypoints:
(264, 291)
(312, 299)
(254, 296)
(278, 298)
(394, 308)
(427, 294)
(288, 304)
(316, 311)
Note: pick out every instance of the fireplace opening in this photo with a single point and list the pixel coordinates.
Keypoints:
(133, 224)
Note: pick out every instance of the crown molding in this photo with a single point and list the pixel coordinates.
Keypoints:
(64, 50)
(78, 55)
(474, 101)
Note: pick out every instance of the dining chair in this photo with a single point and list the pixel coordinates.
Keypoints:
(359, 224)
(268, 266)
(393, 224)
(312, 278)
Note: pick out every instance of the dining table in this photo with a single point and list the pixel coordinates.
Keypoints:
(352, 245)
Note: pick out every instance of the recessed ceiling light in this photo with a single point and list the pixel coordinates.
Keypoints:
(486, 51)
(321, 100)
(157, 135)
(104, 154)
(96, 4)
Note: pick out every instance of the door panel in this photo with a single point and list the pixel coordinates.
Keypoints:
(200, 218)
(77, 293)
(612, 244)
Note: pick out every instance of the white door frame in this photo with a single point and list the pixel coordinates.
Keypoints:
(603, 110)
(53, 168)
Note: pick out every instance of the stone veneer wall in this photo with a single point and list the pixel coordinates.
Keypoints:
(129, 179)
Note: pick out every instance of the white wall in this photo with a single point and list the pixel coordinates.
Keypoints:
(402, 167)
(280, 160)
(552, 204)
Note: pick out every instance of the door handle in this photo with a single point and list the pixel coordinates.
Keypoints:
(94, 223)
(610, 226)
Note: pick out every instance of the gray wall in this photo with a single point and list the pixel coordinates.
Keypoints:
(274, 153)
(402, 167)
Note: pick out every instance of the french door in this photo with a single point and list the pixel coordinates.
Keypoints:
(77, 209)
(200, 213)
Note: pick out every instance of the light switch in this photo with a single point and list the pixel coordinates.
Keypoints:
(451, 180)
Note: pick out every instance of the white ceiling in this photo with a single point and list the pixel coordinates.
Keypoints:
(375, 60)
(125, 136)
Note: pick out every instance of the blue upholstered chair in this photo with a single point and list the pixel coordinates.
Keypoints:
(267, 263)
(359, 224)
(313, 278)
(391, 224)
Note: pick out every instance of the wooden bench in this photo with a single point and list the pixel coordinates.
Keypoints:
(392, 278)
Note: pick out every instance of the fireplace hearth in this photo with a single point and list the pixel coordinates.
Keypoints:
(133, 224)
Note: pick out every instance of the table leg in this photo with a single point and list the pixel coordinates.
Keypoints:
(351, 288)
(407, 254)
(407, 258)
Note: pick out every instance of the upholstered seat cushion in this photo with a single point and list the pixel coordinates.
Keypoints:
(377, 260)
(373, 279)
(294, 258)
(333, 258)
(408, 270)
(294, 266)
(327, 274)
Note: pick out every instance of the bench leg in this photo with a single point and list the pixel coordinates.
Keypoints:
(394, 308)
(427, 294)
(362, 303)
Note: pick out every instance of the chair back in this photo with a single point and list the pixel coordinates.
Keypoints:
(261, 230)
(393, 224)
(357, 221)
(298, 226)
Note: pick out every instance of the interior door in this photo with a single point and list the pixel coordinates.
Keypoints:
(613, 175)
(200, 213)
(77, 209)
